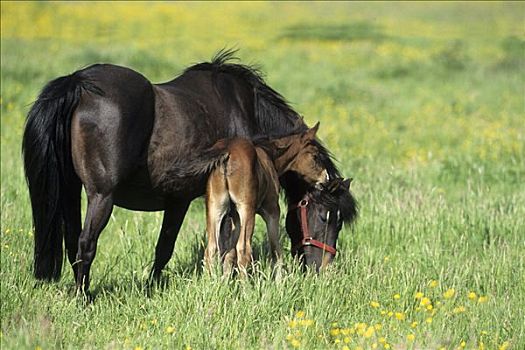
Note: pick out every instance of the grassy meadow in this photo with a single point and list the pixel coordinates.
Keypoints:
(423, 104)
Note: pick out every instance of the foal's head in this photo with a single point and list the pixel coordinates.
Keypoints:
(300, 153)
(314, 223)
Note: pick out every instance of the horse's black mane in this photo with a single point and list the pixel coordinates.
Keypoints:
(335, 196)
(274, 116)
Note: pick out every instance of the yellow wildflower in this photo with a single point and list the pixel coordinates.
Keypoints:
(137, 348)
(428, 320)
(390, 314)
(306, 323)
(400, 316)
(463, 344)
(413, 324)
(374, 345)
(295, 343)
(386, 346)
(383, 312)
(429, 307)
(36, 347)
(378, 326)
(334, 324)
(449, 293)
(154, 322)
(299, 314)
(347, 340)
(472, 296)
(382, 340)
(433, 283)
(337, 341)
(397, 296)
(170, 330)
(481, 346)
(358, 348)
(425, 301)
(289, 337)
(411, 337)
(360, 325)
(483, 299)
(369, 332)
(334, 332)
(504, 346)
(386, 258)
(419, 295)
(345, 348)
(188, 347)
(459, 309)
(374, 304)
(345, 331)
(292, 324)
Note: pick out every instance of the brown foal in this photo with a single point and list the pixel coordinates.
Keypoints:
(247, 182)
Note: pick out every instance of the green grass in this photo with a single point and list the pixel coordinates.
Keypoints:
(422, 104)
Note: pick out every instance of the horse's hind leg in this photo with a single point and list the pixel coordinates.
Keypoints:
(98, 212)
(73, 225)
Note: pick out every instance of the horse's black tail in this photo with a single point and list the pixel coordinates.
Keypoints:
(48, 166)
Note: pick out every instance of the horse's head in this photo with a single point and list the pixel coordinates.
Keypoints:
(314, 223)
(300, 153)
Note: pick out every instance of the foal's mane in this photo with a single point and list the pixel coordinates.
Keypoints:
(273, 115)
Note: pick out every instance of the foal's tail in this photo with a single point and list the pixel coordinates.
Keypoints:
(203, 165)
(53, 184)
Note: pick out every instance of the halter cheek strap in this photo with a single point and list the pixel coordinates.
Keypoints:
(307, 239)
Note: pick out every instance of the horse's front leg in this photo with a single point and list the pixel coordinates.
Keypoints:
(173, 217)
(270, 212)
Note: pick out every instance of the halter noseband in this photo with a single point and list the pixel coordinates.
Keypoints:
(308, 240)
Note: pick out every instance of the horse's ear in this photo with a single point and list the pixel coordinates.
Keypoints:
(346, 184)
(310, 133)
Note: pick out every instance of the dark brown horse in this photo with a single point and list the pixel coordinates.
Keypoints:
(313, 223)
(109, 129)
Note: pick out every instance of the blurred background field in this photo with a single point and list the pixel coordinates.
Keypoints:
(423, 104)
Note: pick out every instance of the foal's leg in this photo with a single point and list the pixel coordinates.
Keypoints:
(98, 212)
(217, 206)
(244, 243)
(230, 228)
(171, 224)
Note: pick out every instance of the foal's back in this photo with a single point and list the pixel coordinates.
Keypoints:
(248, 174)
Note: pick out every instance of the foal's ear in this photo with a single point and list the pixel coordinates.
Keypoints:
(310, 133)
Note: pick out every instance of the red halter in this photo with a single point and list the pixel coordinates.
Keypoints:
(307, 238)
